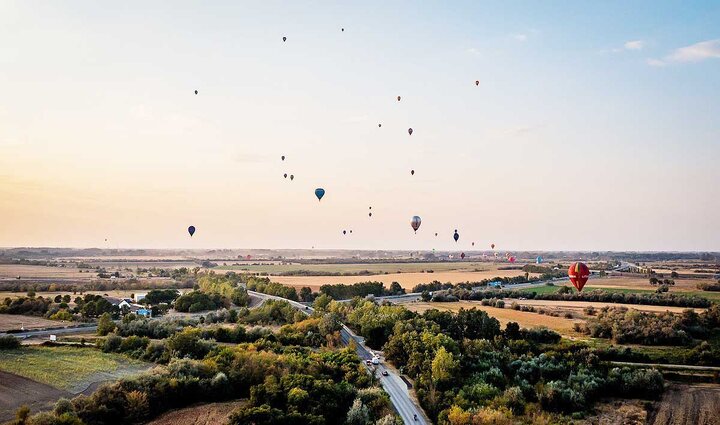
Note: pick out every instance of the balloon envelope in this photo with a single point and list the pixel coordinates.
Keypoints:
(284, 38)
(492, 246)
(282, 158)
(191, 230)
(511, 259)
(462, 255)
(578, 274)
(195, 91)
(292, 177)
(398, 98)
(477, 83)
(456, 236)
(410, 131)
(412, 172)
(285, 175)
(319, 192)
(538, 259)
(415, 223)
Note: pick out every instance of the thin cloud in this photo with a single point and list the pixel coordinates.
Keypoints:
(698, 52)
(473, 51)
(520, 37)
(634, 45)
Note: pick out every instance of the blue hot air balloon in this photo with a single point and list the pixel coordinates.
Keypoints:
(191, 230)
(319, 192)
(456, 236)
(538, 259)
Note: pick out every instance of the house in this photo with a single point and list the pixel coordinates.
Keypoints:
(128, 304)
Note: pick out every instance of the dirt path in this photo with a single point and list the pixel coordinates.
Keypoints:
(688, 405)
(16, 391)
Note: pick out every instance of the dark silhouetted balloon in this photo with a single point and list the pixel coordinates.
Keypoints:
(319, 192)
(462, 256)
(369, 208)
(492, 246)
(351, 231)
(578, 274)
(282, 158)
(477, 83)
(195, 91)
(292, 177)
(456, 236)
(398, 98)
(410, 131)
(284, 39)
(379, 125)
(473, 244)
(435, 233)
(285, 175)
(370, 214)
(342, 29)
(412, 172)
(415, 223)
(191, 230)
(344, 232)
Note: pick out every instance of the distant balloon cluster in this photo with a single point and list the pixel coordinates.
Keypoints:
(578, 272)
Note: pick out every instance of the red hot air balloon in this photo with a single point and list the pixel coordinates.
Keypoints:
(511, 259)
(578, 274)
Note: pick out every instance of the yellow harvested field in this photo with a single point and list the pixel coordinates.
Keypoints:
(16, 321)
(24, 271)
(579, 305)
(504, 315)
(406, 280)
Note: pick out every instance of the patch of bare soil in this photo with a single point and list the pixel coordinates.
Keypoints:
(16, 391)
(626, 412)
(681, 404)
(203, 414)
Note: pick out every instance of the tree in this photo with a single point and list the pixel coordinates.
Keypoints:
(305, 294)
(358, 414)
(105, 324)
(322, 302)
(396, 289)
(425, 296)
(444, 366)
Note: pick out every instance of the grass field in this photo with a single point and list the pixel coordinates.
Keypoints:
(598, 284)
(525, 319)
(68, 368)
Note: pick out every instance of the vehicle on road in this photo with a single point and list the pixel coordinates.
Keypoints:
(385, 373)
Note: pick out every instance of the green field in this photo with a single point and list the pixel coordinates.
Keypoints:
(380, 268)
(712, 296)
(67, 368)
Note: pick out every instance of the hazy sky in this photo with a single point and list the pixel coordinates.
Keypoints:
(596, 125)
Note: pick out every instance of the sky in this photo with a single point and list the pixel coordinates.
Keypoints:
(594, 126)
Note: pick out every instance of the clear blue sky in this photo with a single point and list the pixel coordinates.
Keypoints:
(595, 124)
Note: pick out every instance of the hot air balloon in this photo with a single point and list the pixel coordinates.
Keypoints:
(477, 82)
(285, 175)
(319, 192)
(195, 91)
(511, 259)
(435, 233)
(473, 244)
(492, 246)
(379, 125)
(284, 39)
(351, 231)
(282, 158)
(398, 98)
(456, 236)
(344, 232)
(410, 130)
(369, 214)
(539, 259)
(412, 172)
(342, 29)
(415, 223)
(191, 230)
(292, 177)
(578, 274)
(462, 256)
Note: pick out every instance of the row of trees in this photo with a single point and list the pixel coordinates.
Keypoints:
(360, 289)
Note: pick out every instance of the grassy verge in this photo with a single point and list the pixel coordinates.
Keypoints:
(67, 368)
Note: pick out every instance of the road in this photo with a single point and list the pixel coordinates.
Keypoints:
(392, 384)
(58, 331)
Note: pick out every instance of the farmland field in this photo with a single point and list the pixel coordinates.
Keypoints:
(16, 391)
(372, 268)
(579, 305)
(504, 315)
(15, 321)
(406, 280)
(72, 369)
(203, 414)
(688, 405)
